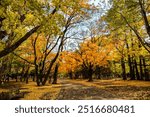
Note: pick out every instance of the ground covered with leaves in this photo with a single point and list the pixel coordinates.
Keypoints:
(105, 90)
(82, 90)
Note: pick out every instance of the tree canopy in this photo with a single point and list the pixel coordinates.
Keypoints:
(45, 39)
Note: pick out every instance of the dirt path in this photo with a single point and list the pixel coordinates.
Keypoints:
(80, 92)
(76, 90)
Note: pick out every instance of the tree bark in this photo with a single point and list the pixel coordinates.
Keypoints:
(70, 75)
(141, 69)
(55, 74)
(50, 67)
(11, 48)
(136, 69)
(56, 56)
(133, 70)
(145, 70)
(26, 75)
(123, 69)
(130, 67)
(90, 74)
(145, 18)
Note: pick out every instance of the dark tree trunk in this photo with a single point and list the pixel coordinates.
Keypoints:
(41, 76)
(27, 80)
(145, 17)
(33, 78)
(18, 43)
(37, 81)
(136, 69)
(141, 69)
(130, 67)
(16, 78)
(99, 75)
(123, 69)
(84, 73)
(49, 69)
(37, 75)
(145, 71)
(55, 74)
(9, 71)
(90, 74)
(22, 74)
(133, 69)
(53, 60)
(98, 72)
(70, 75)
(50, 79)
(76, 75)
(26, 75)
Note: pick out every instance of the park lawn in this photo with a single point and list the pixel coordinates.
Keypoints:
(112, 82)
(35, 93)
(31, 91)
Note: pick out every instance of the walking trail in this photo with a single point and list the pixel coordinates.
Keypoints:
(78, 90)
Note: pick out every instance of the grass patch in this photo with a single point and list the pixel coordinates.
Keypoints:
(31, 91)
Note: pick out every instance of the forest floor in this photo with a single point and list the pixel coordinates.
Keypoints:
(83, 90)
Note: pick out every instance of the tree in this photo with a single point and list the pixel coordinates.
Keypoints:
(123, 14)
(20, 19)
(89, 55)
(52, 41)
(128, 28)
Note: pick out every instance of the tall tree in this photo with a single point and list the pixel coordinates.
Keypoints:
(134, 14)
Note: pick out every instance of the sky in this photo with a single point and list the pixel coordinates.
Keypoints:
(103, 3)
(103, 6)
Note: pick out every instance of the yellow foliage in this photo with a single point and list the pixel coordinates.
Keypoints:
(89, 53)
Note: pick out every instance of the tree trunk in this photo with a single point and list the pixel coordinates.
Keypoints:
(123, 69)
(76, 75)
(52, 62)
(130, 67)
(49, 69)
(18, 43)
(26, 75)
(99, 75)
(145, 71)
(136, 69)
(133, 69)
(24, 38)
(55, 74)
(50, 79)
(22, 72)
(90, 74)
(33, 78)
(41, 76)
(145, 17)
(141, 69)
(70, 75)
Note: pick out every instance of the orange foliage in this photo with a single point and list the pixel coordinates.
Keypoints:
(89, 53)
(27, 48)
